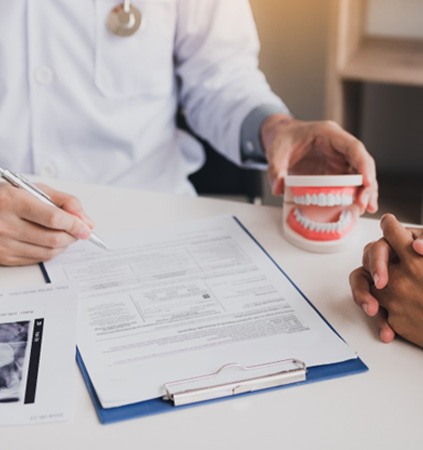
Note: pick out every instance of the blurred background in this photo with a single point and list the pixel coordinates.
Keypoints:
(308, 51)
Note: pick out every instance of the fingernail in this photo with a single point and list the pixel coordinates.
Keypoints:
(83, 232)
(365, 308)
(375, 279)
(87, 220)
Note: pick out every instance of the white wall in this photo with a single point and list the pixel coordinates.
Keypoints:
(294, 37)
(395, 18)
(294, 40)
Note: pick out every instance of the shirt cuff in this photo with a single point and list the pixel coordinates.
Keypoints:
(252, 151)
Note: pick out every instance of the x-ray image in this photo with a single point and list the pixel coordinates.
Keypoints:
(14, 342)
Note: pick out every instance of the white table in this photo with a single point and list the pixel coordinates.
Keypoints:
(380, 409)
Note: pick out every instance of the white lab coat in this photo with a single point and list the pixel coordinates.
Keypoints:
(80, 103)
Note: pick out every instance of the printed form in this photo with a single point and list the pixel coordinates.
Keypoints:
(180, 302)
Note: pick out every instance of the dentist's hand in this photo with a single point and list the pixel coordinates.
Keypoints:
(32, 231)
(316, 148)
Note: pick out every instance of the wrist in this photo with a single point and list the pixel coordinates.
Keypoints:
(252, 150)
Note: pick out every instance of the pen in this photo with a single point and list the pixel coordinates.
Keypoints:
(20, 182)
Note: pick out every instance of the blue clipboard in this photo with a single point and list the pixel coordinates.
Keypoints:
(159, 405)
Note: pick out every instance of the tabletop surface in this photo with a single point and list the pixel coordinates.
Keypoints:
(378, 409)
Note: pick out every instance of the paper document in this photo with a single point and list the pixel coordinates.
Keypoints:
(37, 354)
(180, 302)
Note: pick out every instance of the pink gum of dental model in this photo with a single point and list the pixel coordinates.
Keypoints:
(319, 213)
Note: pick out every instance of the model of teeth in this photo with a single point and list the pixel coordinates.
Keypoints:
(318, 213)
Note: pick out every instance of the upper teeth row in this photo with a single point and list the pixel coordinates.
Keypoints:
(324, 199)
(338, 226)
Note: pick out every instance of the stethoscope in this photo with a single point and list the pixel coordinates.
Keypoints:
(124, 19)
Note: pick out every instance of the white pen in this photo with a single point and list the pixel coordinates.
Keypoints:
(20, 182)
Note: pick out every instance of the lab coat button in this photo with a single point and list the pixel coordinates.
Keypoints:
(249, 147)
(43, 75)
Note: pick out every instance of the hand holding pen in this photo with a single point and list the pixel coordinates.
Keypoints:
(35, 224)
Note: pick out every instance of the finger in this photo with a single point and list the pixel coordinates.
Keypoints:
(360, 282)
(51, 217)
(418, 246)
(68, 203)
(386, 333)
(357, 155)
(278, 166)
(277, 138)
(44, 237)
(367, 199)
(376, 257)
(418, 239)
(397, 236)
(16, 253)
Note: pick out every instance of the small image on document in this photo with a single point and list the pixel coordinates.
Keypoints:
(37, 351)
(14, 345)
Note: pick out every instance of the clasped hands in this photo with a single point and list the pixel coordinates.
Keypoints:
(389, 285)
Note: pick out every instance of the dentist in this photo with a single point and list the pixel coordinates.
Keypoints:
(89, 92)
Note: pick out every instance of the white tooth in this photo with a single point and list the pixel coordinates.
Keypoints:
(331, 200)
(337, 199)
(308, 199)
(346, 200)
(333, 227)
(312, 226)
(344, 215)
(322, 200)
(314, 200)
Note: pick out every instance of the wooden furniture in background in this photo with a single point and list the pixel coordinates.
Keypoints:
(356, 58)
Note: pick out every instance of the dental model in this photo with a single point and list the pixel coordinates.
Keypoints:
(319, 213)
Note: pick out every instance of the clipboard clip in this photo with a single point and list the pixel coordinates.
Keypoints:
(227, 381)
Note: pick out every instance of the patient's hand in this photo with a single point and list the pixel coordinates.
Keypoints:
(389, 285)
